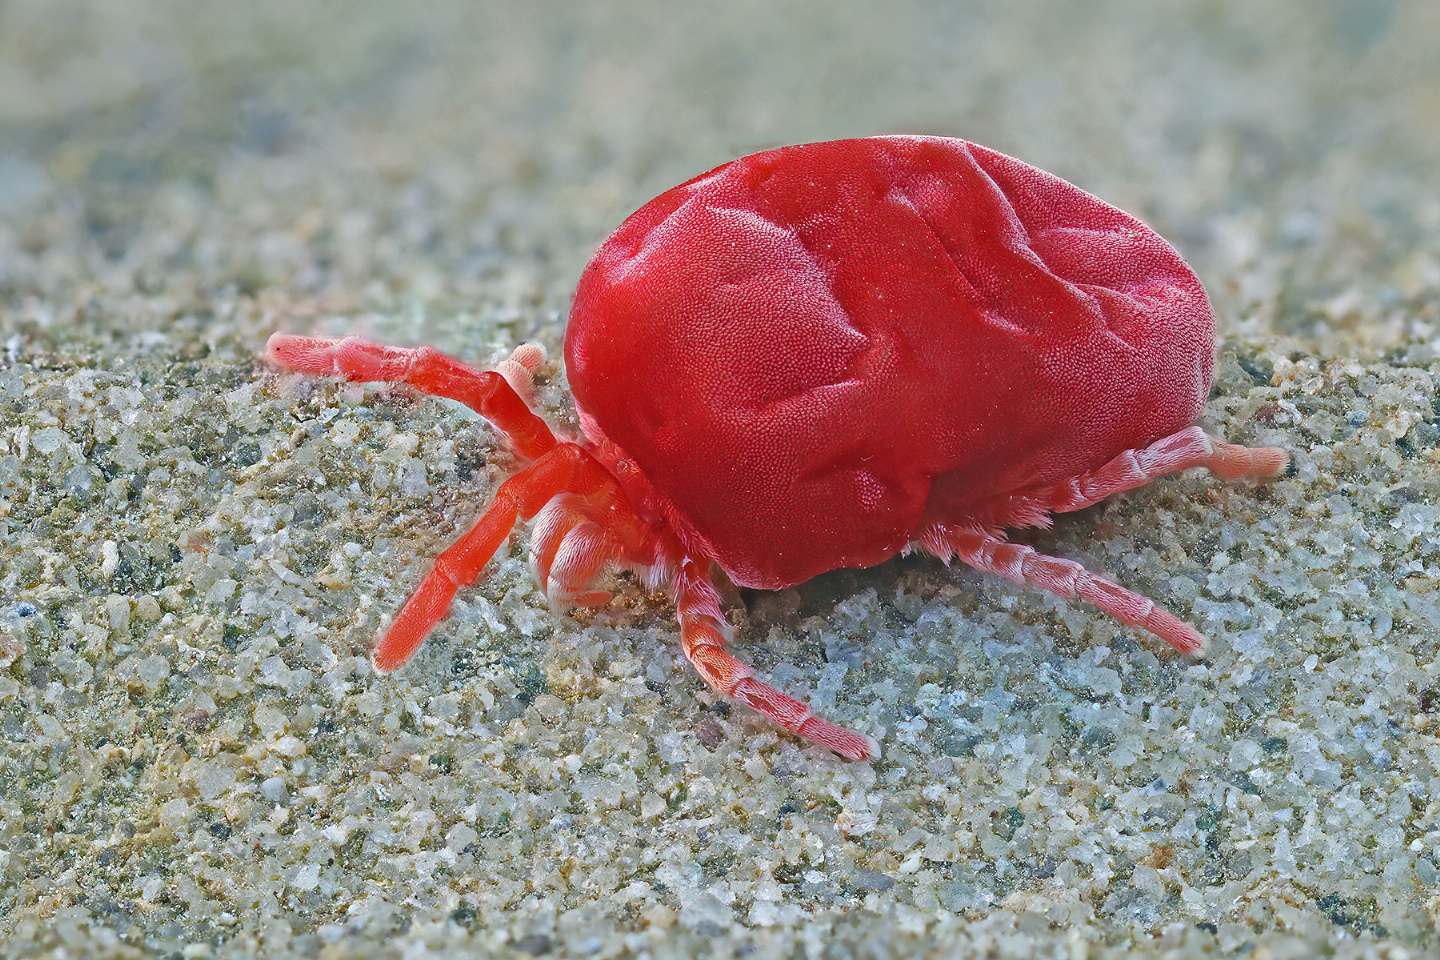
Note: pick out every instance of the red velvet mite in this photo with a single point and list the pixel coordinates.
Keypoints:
(820, 356)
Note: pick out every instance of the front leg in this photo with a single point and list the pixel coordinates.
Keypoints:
(567, 468)
(488, 392)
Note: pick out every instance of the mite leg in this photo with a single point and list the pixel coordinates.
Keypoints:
(582, 557)
(487, 392)
(569, 551)
(565, 468)
(1064, 578)
(1191, 447)
(519, 369)
(552, 525)
(703, 633)
(574, 539)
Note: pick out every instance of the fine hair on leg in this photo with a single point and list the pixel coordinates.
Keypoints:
(705, 641)
(991, 553)
(487, 392)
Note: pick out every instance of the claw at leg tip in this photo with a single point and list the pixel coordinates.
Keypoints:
(852, 744)
(291, 352)
(1278, 463)
(1197, 646)
(382, 664)
(272, 348)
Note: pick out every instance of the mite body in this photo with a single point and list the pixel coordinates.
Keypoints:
(818, 356)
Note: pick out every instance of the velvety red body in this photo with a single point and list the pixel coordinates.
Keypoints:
(804, 357)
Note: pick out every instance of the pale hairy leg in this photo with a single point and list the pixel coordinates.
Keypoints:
(1021, 564)
(703, 637)
(519, 370)
(569, 551)
(1189, 448)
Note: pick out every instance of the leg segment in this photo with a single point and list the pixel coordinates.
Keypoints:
(1189, 448)
(566, 468)
(569, 551)
(1065, 578)
(552, 525)
(519, 369)
(703, 637)
(487, 392)
(582, 557)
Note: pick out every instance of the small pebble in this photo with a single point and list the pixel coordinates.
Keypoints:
(273, 789)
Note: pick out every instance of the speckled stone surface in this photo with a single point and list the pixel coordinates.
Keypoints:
(195, 554)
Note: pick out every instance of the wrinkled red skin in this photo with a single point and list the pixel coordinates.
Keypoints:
(806, 356)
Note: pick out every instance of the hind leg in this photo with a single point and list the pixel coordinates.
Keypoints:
(1065, 578)
(1191, 447)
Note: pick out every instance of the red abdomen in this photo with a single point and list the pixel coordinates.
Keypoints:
(812, 351)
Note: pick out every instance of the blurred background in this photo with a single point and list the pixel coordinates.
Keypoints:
(195, 757)
(368, 156)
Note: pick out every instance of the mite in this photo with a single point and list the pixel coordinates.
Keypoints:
(821, 356)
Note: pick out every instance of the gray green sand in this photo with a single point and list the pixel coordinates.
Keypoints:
(195, 555)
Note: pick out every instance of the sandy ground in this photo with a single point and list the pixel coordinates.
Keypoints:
(195, 555)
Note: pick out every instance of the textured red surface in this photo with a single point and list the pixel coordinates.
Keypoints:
(809, 354)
